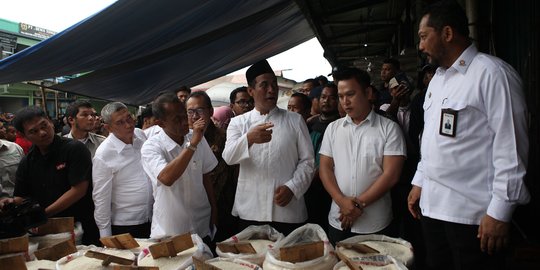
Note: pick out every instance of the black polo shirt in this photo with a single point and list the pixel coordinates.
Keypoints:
(45, 178)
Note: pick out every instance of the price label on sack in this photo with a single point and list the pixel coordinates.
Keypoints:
(120, 241)
(172, 246)
(302, 252)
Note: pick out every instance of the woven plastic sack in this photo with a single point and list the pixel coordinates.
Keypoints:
(376, 262)
(407, 257)
(53, 239)
(250, 233)
(308, 233)
(232, 263)
(201, 250)
(79, 261)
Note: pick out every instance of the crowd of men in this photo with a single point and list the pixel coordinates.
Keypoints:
(349, 156)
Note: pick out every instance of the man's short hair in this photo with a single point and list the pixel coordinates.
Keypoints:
(232, 96)
(315, 93)
(447, 13)
(314, 82)
(183, 88)
(158, 106)
(361, 76)
(394, 62)
(306, 102)
(109, 109)
(26, 114)
(204, 96)
(331, 86)
(323, 79)
(73, 108)
(147, 111)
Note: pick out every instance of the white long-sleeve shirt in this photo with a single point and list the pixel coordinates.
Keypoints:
(481, 169)
(122, 192)
(286, 160)
(183, 206)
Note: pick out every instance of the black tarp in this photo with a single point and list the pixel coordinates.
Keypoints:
(135, 49)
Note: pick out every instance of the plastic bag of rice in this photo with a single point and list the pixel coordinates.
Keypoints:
(53, 239)
(261, 239)
(397, 248)
(309, 233)
(181, 261)
(232, 264)
(375, 262)
(78, 261)
(40, 264)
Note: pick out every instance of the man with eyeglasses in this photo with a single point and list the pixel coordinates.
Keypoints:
(122, 191)
(81, 117)
(56, 173)
(241, 101)
(223, 176)
(275, 154)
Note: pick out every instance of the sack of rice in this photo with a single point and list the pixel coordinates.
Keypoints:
(232, 264)
(371, 244)
(40, 264)
(78, 260)
(257, 238)
(182, 260)
(144, 243)
(52, 239)
(16, 246)
(306, 248)
(375, 262)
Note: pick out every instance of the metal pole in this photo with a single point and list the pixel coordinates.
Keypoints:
(43, 98)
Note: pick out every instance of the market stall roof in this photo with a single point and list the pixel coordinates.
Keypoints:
(135, 49)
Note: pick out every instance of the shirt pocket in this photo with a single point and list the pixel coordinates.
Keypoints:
(195, 165)
(372, 147)
(372, 155)
(463, 111)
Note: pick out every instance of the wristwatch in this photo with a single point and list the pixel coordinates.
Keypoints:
(191, 147)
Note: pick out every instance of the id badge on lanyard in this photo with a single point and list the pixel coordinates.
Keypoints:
(448, 125)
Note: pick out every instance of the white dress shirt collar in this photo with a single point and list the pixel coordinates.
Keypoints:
(168, 142)
(369, 120)
(271, 112)
(119, 145)
(463, 62)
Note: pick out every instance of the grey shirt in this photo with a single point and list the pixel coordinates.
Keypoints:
(92, 141)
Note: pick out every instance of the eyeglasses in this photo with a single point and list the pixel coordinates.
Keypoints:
(198, 111)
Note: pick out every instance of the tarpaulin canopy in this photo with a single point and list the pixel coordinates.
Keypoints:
(135, 49)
